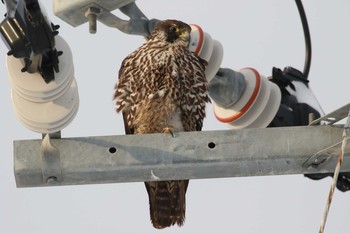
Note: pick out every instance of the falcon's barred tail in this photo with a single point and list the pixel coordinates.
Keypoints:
(167, 202)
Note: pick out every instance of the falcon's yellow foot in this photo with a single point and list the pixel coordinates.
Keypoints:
(168, 130)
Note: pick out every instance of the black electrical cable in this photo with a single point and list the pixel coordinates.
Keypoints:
(307, 37)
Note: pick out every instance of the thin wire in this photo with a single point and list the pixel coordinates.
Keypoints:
(307, 37)
(336, 174)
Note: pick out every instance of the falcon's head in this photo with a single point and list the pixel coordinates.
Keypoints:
(172, 31)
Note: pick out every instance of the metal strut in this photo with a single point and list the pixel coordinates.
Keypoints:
(187, 155)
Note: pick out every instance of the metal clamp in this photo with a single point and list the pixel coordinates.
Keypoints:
(137, 25)
(320, 159)
(50, 160)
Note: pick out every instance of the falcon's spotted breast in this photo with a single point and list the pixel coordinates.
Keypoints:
(162, 85)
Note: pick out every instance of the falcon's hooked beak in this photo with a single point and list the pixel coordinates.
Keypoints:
(184, 35)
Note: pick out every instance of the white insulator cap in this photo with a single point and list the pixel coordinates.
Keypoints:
(257, 106)
(42, 107)
(208, 49)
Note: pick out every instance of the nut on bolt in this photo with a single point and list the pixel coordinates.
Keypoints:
(92, 13)
(52, 180)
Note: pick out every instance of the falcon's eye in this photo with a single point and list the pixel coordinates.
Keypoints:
(173, 28)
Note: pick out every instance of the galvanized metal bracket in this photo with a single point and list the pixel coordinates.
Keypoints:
(50, 160)
(320, 159)
(76, 13)
(187, 155)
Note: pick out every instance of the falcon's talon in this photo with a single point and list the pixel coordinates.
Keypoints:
(168, 130)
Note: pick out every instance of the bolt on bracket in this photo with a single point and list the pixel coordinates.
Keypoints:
(50, 160)
(320, 159)
(92, 13)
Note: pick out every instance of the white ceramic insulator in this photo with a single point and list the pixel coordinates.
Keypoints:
(42, 107)
(207, 48)
(257, 106)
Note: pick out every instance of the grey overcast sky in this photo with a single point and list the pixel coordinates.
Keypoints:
(259, 34)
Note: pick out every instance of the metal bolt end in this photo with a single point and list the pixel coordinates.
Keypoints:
(312, 117)
(52, 180)
(92, 13)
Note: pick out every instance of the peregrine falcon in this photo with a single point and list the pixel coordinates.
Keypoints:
(162, 88)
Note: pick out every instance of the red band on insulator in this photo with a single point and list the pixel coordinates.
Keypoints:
(248, 104)
(201, 39)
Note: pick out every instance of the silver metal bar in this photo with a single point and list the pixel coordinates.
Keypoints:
(133, 26)
(188, 155)
(334, 116)
(79, 12)
(133, 11)
(73, 12)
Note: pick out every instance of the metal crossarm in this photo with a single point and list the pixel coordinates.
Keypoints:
(187, 155)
